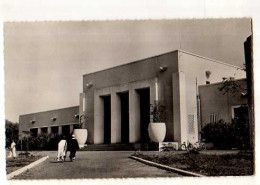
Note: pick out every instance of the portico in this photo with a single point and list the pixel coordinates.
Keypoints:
(128, 103)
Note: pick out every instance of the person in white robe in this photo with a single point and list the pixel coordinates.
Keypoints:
(12, 152)
(62, 149)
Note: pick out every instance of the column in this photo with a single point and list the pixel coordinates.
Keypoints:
(82, 103)
(156, 90)
(49, 130)
(71, 129)
(98, 120)
(179, 107)
(82, 106)
(134, 116)
(60, 130)
(115, 118)
(39, 131)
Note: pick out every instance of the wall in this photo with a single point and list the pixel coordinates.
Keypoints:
(214, 101)
(193, 69)
(43, 119)
(136, 71)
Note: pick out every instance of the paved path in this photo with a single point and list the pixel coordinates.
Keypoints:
(93, 164)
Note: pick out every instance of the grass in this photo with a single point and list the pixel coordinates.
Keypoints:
(13, 164)
(239, 164)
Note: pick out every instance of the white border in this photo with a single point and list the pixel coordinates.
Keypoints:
(42, 10)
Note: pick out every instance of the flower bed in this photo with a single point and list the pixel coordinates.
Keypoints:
(13, 164)
(205, 164)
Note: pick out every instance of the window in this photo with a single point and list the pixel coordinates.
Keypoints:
(212, 118)
(44, 130)
(55, 129)
(33, 132)
(239, 111)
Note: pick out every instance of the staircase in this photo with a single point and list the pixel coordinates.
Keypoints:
(118, 147)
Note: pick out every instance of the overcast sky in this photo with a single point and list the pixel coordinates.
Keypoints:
(45, 61)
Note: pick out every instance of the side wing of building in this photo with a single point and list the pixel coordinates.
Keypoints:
(216, 104)
(58, 121)
(193, 71)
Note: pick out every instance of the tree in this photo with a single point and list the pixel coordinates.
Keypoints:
(240, 129)
(230, 85)
(11, 132)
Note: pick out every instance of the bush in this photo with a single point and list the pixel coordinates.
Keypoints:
(219, 134)
(226, 136)
(41, 142)
(241, 132)
(193, 151)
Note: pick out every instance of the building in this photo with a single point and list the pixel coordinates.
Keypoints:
(60, 121)
(116, 101)
(226, 105)
(227, 101)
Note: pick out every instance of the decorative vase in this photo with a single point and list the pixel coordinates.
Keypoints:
(81, 135)
(157, 132)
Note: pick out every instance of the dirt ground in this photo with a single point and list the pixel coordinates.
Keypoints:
(93, 164)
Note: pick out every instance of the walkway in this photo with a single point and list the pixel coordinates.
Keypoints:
(94, 164)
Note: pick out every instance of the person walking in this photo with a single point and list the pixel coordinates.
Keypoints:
(74, 146)
(62, 149)
(12, 150)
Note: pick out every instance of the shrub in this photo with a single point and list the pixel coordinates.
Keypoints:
(53, 142)
(241, 132)
(193, 151)
(158, 112)
(219, 134)
(226, 136)
(41, 142)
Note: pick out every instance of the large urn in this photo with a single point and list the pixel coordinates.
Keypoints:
(157, 132)
(81, 135)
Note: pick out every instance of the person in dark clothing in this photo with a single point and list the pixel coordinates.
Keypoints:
(74, 146)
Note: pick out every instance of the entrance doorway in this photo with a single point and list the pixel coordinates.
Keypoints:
(107, 119)
(66, 131)
(240, 112)
(124, 99)
(144, 96)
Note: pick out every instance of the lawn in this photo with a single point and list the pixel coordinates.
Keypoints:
(13, 164)
(239, 164)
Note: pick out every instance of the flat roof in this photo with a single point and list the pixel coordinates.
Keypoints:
(50, 110)
(213, 60)
(178, 50)
(217, 83)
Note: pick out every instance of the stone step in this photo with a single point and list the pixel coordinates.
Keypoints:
(118, 147)
(109, 147)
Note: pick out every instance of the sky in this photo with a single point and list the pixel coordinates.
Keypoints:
(44, 61)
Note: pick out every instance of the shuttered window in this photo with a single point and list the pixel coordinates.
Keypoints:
(212, 118)
(191, 124)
